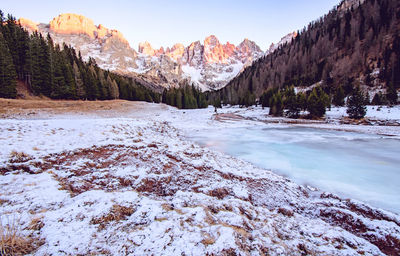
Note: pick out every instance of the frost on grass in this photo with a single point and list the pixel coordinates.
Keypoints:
(136, 187)
(13, 242)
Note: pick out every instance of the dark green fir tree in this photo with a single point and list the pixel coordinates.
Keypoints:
(8, 75)
(338, 97)
(356, 104)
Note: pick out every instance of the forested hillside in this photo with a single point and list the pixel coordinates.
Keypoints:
(58, 72)
(350, 46)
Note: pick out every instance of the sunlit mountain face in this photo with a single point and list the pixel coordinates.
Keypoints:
(209, 64)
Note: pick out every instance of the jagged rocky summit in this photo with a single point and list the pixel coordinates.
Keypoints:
(208, 64)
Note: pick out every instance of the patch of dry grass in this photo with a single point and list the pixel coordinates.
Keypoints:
(19, 157)
(116, 213)
(160, 219)
(13, 243)
(208, 239)
(36, 223)
(31, 108)
(4, 201)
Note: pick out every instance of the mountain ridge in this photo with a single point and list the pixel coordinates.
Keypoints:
(209, 65)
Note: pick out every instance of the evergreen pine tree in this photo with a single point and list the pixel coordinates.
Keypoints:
(391, 94)
(276, 105)
(356, 104)
(178, 99)
(59, 88)
(217, 103)
(291, 103)
(201, 98)
(91, 89)
(69, 81)
(45, 87)
(7, 72)
(266, 96)
(302, 100)
(317, 102)
(80, 90)
(147, 97)
(338, 97)
(114, 92)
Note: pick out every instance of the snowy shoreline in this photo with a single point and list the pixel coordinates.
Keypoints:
(135, 185)
(335, 119)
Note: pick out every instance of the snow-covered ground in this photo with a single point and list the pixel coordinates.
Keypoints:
(135, 185)
(381, 120)
(373, 112)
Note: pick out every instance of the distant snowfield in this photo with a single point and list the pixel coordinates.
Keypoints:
(135, 185)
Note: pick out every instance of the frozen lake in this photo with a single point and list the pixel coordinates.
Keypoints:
(359, 166)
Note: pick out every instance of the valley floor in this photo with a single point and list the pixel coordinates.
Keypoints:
(119, 178)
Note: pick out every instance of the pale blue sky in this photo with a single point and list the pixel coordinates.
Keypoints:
(164, 23)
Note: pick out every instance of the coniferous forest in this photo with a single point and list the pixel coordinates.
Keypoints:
(185, 97)
(57, 72)
(348, 47)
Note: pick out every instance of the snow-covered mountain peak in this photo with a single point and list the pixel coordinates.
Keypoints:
(214, 51)
(28, 24)
(284, 40)
(146, 48)
(175, 52)
(75, 24)
(208, 64)
(248, 51)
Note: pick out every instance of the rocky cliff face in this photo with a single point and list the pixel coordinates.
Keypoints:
(73, 24)
(108, 47)
(214, 51)
(175, 52)
(28, 24)
(210, 65)
(348, 4)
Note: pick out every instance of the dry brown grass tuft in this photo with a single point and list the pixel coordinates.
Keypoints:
(19, 157)
(286, 212)
(208, 239)
(167, 207)
(4, 201)
(36, 223)
(13, 243)
(117, 213)
(219, 193)
(160, 219)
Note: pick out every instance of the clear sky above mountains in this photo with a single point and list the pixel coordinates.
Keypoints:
(164, 23)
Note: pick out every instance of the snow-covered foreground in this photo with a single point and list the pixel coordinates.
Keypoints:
(135, 185)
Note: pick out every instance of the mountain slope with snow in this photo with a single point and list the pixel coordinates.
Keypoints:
(209, 65)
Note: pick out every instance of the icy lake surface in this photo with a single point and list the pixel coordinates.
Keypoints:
(358, 166)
